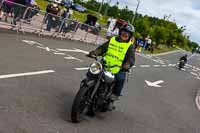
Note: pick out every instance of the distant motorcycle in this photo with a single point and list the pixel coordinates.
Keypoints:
(95, 91)
(181, 64)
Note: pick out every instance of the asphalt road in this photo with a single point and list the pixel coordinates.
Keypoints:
(41, 103)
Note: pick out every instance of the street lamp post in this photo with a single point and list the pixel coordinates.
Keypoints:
(101, 6)
(134, 16)
(106, 10)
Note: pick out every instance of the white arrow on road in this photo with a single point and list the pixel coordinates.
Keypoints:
(154, 84)
(32, 42)
(74, 50)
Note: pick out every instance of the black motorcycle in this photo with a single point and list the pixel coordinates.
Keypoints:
(94, 93)
(181, 64)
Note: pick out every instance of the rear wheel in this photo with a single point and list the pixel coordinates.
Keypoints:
(80, 105)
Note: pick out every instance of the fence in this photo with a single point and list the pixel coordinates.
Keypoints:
(32, 20)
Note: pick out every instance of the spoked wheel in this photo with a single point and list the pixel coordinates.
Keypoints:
(80, 105)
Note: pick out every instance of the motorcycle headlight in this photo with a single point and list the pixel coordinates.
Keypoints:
(96, 68)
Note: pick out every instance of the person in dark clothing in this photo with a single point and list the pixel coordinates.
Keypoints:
(18, 10)
(6, 9)
(64, 16)
(184, 58)
(51, 17)
(111, 53)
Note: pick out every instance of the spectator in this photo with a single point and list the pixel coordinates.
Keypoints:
(148, 43)
(52, 18)
(19, 9)
(65, 15)
(152, 47)
(33, 11)
(6, 9)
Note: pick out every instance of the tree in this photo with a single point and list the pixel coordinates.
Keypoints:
(92, 5)
(114, 11)
(162, 31)
(142, 26)
(126, 14)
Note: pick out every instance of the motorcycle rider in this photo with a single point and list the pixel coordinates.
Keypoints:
(120, 51)
(184, 58)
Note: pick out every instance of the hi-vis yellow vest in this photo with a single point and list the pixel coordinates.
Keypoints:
(115, 54)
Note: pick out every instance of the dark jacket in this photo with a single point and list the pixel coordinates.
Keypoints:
(22, 2)
(129, 58)
(184, 58)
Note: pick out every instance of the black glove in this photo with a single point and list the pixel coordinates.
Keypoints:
(92, 53)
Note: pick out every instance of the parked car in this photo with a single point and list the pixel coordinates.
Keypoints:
(57, 1)
(67, 3)
(79, 8)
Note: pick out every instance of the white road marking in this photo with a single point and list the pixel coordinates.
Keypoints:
(149, 58)
(83, 51)
(32, 42)
(194, 70)
(183, 69)
(144, 65)
(161, 61)
(188, 65)
(46, 48)
(198, 78)
(194, 67)
(69, 57)
(81, 69)
(154, 84)
(194, 73)
(164, 65)
(156, 65)
(59, 53)
(25, 74)
(168, 53)
(73, 50)
(172, 65)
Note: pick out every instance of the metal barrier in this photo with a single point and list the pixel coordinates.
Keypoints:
(32, 20)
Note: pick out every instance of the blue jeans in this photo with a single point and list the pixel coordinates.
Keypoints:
(120, 80)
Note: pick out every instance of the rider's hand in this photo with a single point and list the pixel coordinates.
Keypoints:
(92, 53)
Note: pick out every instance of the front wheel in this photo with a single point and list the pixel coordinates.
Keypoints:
(80, 105)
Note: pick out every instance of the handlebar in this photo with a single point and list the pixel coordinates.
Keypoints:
(104, 64)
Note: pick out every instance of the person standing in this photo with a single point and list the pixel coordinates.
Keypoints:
(6, 9)
(52, 18)
(65, 15)
(19, 8)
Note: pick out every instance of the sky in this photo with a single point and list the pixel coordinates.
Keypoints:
(183, 12)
